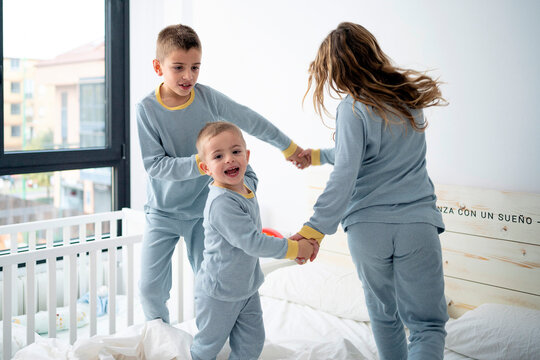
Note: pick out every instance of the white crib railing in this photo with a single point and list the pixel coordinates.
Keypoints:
(70, 249)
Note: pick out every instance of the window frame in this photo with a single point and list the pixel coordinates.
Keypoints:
(116, 154)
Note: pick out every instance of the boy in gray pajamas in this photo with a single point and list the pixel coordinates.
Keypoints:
(226, 286)
(169, 120)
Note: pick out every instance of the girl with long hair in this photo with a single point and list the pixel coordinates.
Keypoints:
(380, 190)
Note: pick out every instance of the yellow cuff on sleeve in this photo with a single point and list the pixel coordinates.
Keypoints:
(316, 157)
(292, 251)
(290, 150)
(310, 233)
(198, 159)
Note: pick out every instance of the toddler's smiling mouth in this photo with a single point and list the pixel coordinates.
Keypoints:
(232, 171)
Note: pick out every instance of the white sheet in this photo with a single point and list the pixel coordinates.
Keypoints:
(293, 332)
(150, 340)
(298, 332)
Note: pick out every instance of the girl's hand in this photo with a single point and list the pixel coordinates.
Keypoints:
(306, 154)
(300, 162)
(315, 249)
(301, 260)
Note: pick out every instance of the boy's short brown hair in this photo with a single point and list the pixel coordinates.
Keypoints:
(212, 129)
(175, 37)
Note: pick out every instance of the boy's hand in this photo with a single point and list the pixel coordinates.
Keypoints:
(300, 162)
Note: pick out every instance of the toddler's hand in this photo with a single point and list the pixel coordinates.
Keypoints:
(305, 251)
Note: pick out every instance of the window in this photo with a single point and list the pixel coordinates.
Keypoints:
(15, 87)
(15, 131)
(58, 153)
(14, 64)
(28, 88)
(15, 109)
(92, 132)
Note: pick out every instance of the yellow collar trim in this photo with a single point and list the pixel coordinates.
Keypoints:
(180, 107)
(250, 195)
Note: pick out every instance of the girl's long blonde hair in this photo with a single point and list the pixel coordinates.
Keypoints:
(350, 61)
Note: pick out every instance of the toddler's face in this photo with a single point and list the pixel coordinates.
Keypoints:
(226, 159)
(180, 71)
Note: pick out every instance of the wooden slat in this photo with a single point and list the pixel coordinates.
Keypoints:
(130, 288)
(68, 221)
(491, 213)
(92, 285)
(66, 237)
(72, 297)
(494, 262)
(14, 248)
(467, 295)
(51, 296)
(51, 285)
(83, 261)
(6, 310)
(112, 290)
(31, 292)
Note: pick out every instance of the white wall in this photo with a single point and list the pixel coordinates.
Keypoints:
(258, 53)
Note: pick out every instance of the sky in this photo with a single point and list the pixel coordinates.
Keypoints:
(44, 29)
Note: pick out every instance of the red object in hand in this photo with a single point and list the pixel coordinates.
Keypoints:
(272, 232)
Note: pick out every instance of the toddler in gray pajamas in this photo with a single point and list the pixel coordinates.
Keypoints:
(226, 286)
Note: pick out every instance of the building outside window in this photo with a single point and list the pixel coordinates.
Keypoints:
(58, 155)
(15, 131)
(14, 64)
(15, 109)
(15, 87)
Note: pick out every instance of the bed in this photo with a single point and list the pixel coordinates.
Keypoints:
(491, 256)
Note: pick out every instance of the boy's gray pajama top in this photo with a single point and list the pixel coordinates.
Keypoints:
(177, 189)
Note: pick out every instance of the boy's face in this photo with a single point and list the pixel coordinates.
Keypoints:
(180, 70)
(225, 160)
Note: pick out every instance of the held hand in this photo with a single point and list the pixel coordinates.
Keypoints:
(300, 162)
(315, 249)
(305, 251)
(297, 237)
(307, 155)
(315, 244)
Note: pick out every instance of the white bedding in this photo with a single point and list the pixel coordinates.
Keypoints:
(293, 332)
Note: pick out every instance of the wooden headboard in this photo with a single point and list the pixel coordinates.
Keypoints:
(491, 246)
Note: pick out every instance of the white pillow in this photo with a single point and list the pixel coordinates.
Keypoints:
(330, 288)
(494, 331)
(18, 338)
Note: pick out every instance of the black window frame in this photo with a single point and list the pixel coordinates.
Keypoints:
(116, 154)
